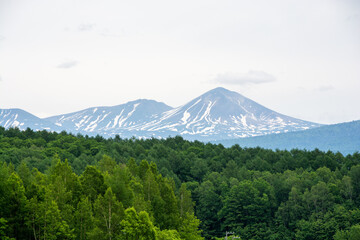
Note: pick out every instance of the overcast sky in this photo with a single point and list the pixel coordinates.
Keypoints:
(299, 58)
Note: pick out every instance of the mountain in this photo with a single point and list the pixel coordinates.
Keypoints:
(215, 115)
(22, 119)
(125, 120)
(223, 114)
(342, 137)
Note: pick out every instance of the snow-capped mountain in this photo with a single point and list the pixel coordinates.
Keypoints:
(215, 115)
(223, 114)
(125, 120)
(21, 119)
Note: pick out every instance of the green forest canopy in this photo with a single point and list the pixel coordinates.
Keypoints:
(61, 186)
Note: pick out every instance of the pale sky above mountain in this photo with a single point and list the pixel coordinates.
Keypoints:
(299, 58)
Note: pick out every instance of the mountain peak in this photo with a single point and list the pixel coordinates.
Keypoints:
(142, 100)
(216, 114)
(219, 90)
(222, 93)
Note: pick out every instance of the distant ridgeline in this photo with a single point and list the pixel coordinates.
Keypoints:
(216, 115)
(61, 186)
(342, 137)
(219, 116)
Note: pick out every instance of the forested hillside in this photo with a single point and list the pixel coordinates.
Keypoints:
(61, 186)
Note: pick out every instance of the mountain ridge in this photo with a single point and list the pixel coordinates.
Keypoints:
(229, 114)
(16, 117)
(216, 114)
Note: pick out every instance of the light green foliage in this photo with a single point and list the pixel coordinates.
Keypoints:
(25, 174)
(167, 235)
(3, 228)
(354, 232)
(84, 219)
(52, 225)
(65, 187)
(168, 215)
(189, 227)
(119, 181)
(45, 220)
(133, 168)
(137, 226)
(108, 213)
(139, 201)
(341, 235)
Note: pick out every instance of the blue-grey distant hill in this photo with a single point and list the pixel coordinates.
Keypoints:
(342, 137)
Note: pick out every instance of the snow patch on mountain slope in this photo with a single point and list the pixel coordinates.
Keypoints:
(217, 114)
(185, 117)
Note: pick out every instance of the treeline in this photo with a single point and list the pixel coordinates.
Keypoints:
(151, 184)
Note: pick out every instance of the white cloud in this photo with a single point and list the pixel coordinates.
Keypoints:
(251, 77)
(68, 64)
